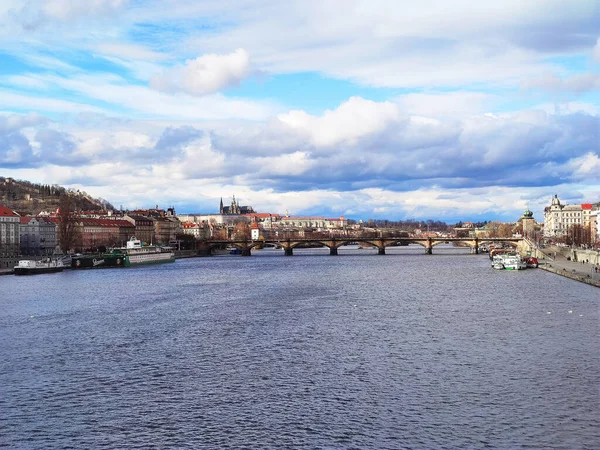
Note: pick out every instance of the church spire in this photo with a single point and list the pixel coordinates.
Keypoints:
(221, 206)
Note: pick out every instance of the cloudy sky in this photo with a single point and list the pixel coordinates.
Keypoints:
(369, 109)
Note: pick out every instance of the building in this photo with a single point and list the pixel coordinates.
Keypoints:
(10, 223)
(211, 219)
(93, 233)
(234, 208)
(265, 221)
(197, 230)
(560, 218)
(144, 227)
(38, 236)
(528, 223)
(254, 231)
(166, 229)
(166, 224)
(317, 223)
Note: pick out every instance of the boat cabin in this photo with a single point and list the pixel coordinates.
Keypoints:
(134, 243)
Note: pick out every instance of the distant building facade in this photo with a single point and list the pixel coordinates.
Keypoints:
(165, 222)
(318, 223)
(144, 227)
(560, 218)
(10, 224)
(38, 236)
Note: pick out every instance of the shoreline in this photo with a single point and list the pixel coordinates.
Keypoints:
(572, 274)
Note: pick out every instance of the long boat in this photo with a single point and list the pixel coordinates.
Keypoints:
(98, 261)
(133, 254)
(32, 267)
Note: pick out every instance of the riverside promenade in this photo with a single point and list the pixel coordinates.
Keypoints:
(555, 261)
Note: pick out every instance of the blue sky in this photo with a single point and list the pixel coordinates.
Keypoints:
(448, 110)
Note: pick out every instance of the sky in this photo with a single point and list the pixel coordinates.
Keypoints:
(375, 109)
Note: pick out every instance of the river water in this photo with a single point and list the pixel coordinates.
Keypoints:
(313, 351)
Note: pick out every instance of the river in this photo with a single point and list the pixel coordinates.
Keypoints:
(312, 351)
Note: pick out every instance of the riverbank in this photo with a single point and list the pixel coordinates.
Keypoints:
(554, 259)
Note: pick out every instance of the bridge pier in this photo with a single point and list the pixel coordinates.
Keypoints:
(381, 250)
(288, 251)
(204, 252)
(246, 251)
(333, 251)
(429, 247)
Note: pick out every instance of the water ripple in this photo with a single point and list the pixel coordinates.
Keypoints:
(315, 352)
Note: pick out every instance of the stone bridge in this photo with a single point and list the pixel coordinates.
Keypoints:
(245, 246)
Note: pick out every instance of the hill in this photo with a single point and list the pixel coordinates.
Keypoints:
(31, 198)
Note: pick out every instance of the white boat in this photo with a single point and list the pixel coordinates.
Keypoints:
(135, 253)
(498, 262)
(513, 262)
(31, 267)
(508, 261)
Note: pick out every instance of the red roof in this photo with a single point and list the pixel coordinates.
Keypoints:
(26, 219)
(586, 206)
(5, 212)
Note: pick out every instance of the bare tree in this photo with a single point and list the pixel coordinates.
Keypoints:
(67, 225)
(241, 231)
(505, 230)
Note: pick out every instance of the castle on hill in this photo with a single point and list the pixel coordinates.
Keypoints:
(234, 208)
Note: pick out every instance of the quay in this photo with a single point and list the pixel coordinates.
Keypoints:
(562, 261)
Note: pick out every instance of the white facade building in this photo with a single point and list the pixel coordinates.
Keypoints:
(319, 223)
(211, 219)
(560, 218)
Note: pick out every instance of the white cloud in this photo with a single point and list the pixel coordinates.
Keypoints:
(587, 166)
(448, 104)
(296, 163)
(349, 122)
(561, 107)
(206, 74)
(577, 83)
(596, 51)
(68, 9)
(408, 45)
(114, 90)
(129, 51)
(15, 101)
(14, 122)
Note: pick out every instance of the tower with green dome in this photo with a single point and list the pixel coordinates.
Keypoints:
(528, 223)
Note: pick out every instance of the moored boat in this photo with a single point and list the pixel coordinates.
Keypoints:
(513, 262)
(32, 267)
(135, 253)
(97, 261)
(498, 262)
(531, 261)
(508, 261)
